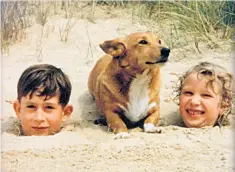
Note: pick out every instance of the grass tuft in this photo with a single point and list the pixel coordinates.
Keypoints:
(179, 22)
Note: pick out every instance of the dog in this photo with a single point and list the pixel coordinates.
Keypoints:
(126, 82)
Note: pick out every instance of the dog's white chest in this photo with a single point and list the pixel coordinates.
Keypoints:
(138, 104)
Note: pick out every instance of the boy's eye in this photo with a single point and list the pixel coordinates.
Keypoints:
(50, 107)
(30, 106)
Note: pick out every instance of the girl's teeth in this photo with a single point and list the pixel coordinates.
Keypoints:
(194, 112)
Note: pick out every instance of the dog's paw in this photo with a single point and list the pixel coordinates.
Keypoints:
(122, 135)
(150, 128)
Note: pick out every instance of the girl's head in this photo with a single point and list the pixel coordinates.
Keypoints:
(205, 95)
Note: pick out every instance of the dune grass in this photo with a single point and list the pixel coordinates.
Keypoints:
(199, 21)
(181, 22)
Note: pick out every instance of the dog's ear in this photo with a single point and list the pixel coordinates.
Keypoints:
(115, 48)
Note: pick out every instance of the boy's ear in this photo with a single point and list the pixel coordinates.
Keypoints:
(68, 109)
(16, 106)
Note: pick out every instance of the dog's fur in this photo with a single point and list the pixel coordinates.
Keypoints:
(126, 82)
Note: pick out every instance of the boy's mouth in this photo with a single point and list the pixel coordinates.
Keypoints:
(40, 128)
(195, 112)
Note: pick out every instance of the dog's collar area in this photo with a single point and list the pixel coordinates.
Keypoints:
(123, 64)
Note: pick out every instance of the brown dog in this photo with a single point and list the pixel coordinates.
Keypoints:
(126, 82)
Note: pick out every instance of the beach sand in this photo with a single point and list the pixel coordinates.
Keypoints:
(84, 146)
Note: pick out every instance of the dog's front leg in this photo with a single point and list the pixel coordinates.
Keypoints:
(150, 123)
(117, 125)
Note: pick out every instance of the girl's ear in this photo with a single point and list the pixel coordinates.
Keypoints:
(223, 109)
(68, 109)
(16, 107)
(221, 112)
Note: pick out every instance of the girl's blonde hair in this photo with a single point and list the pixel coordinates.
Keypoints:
(216, 75)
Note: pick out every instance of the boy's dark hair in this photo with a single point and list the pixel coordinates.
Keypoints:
(51, 79)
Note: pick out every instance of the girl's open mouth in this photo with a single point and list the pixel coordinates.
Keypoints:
(195, 112)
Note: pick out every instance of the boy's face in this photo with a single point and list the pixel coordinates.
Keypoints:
(41, 117)
(199, 104)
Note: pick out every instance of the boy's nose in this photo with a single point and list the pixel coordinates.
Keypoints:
(39, 115)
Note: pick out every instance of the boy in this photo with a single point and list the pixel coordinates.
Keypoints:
(43, 93)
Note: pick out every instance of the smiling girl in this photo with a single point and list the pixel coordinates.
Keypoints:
(205, 95)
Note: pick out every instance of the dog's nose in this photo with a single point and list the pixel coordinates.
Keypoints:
(165, 52)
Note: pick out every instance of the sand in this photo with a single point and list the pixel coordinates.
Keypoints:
(83, 146)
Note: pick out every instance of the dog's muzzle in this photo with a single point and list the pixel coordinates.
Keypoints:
(164, 56)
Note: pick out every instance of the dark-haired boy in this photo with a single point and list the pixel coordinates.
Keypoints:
(43, 93)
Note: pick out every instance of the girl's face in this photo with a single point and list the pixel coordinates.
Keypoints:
(199, 104)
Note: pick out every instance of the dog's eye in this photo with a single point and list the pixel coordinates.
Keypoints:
(159, 41)
(143, 42)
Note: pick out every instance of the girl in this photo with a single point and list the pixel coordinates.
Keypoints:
(205, 95)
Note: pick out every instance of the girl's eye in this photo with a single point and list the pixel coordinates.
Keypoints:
(206, 95)
(187, 93)
(143, 42)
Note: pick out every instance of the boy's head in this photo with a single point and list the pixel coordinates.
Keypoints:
(205, 95)
(43, 93)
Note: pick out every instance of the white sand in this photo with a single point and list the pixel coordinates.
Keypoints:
(83, 146)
